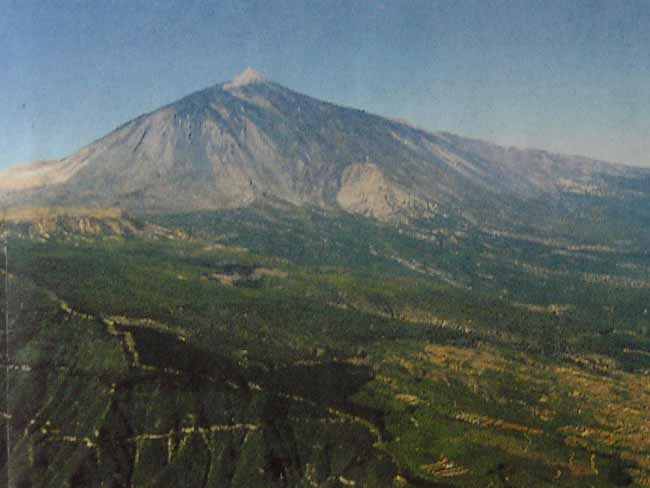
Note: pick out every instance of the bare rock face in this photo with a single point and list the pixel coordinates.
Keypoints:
(365, 190)
(250, 139)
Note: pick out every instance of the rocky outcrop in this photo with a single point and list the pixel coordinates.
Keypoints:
(65, 223)
(365, 190)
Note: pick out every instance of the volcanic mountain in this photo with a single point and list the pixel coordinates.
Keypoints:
(250, 139)
(251, 288)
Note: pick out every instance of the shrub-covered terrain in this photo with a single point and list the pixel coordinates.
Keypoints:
(262, 347)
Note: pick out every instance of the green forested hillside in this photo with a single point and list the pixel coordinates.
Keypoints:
(262, 347)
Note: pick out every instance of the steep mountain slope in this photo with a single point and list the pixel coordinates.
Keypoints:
(250, 139)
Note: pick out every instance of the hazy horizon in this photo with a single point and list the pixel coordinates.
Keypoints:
(570, 79)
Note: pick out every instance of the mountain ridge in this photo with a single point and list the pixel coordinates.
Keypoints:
(242, 141)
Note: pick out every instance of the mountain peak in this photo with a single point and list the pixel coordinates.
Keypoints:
(247, 77)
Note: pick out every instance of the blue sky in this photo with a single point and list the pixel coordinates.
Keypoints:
(570, 76)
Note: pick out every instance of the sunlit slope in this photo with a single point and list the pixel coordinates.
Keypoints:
(241, 143)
